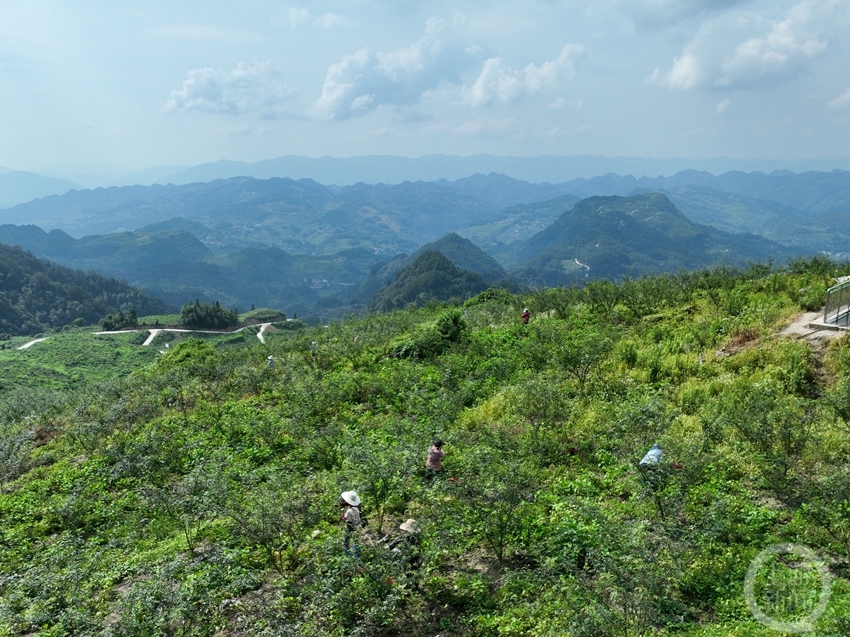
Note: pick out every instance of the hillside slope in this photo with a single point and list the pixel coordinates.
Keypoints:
(611, 237)
(36, 294)
(199, 495)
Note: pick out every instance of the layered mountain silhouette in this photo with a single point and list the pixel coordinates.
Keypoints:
(613, 237)
(303, 247)
(306, 217)
(461, 252)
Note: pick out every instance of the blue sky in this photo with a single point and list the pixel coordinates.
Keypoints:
(115, 87)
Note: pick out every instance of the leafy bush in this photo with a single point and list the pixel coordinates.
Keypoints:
(119, 321)
(435, 339)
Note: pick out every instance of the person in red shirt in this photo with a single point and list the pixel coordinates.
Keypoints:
(525, 316)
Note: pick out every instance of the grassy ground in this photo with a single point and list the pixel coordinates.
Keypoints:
(76, 358)
(72, 359)
(160, 319)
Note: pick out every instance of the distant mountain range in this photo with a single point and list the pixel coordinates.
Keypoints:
(613, 237)
(374, 169)
(18, 186)
(237, 262)
(300, 246)
(807, 211)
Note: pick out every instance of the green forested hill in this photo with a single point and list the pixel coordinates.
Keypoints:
(819, 230)
(610, 237)
(461, 252)
(467, 256)
(172, 264)
(36, 294)
(197, 496)
(431, 276)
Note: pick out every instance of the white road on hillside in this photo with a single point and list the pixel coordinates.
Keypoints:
(154, 332)
(31, 343)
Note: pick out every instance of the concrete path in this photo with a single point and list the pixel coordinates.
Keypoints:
(150, 337)
(154, 332)
(31, 343)
(810, 326)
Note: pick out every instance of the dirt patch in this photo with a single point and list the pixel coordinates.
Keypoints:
(746, 338)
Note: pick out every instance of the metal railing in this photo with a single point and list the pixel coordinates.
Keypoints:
(837, 310)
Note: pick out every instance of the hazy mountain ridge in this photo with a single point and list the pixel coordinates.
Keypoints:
(503, 191)
(807, 192)
(307, 217)
(547, 168)
(612, 237)
(175, 265)
(19, 185)
(516, 224)
(302, 216)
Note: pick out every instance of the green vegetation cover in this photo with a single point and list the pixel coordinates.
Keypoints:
(208, 316)
(431, 277)
(466, 256)
(36, 295)
(613, 237)
(198, 495)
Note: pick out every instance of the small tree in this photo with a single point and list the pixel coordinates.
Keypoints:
(118, 321)
(186, 502)
(582, 352)
(272, 517)
(384, 473)
(495, 501)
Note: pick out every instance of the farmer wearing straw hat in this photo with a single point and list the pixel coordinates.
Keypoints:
(408, 543)
(410, 530)
(351, 516)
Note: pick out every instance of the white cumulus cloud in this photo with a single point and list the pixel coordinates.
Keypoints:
(248, 88)
(498, 82)
(295, 16)
(364, 80)
(841, 101)
(743, 49)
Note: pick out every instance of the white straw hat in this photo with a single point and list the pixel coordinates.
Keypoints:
(411, 526)
(351, 497)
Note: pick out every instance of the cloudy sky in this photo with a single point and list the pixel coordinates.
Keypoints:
(97, 86)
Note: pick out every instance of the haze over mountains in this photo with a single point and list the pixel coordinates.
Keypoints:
(301, 246)
(389, 169)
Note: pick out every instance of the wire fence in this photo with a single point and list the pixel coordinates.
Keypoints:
(837, 310)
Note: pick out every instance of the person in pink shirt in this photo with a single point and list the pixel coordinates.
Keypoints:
(434, 464)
